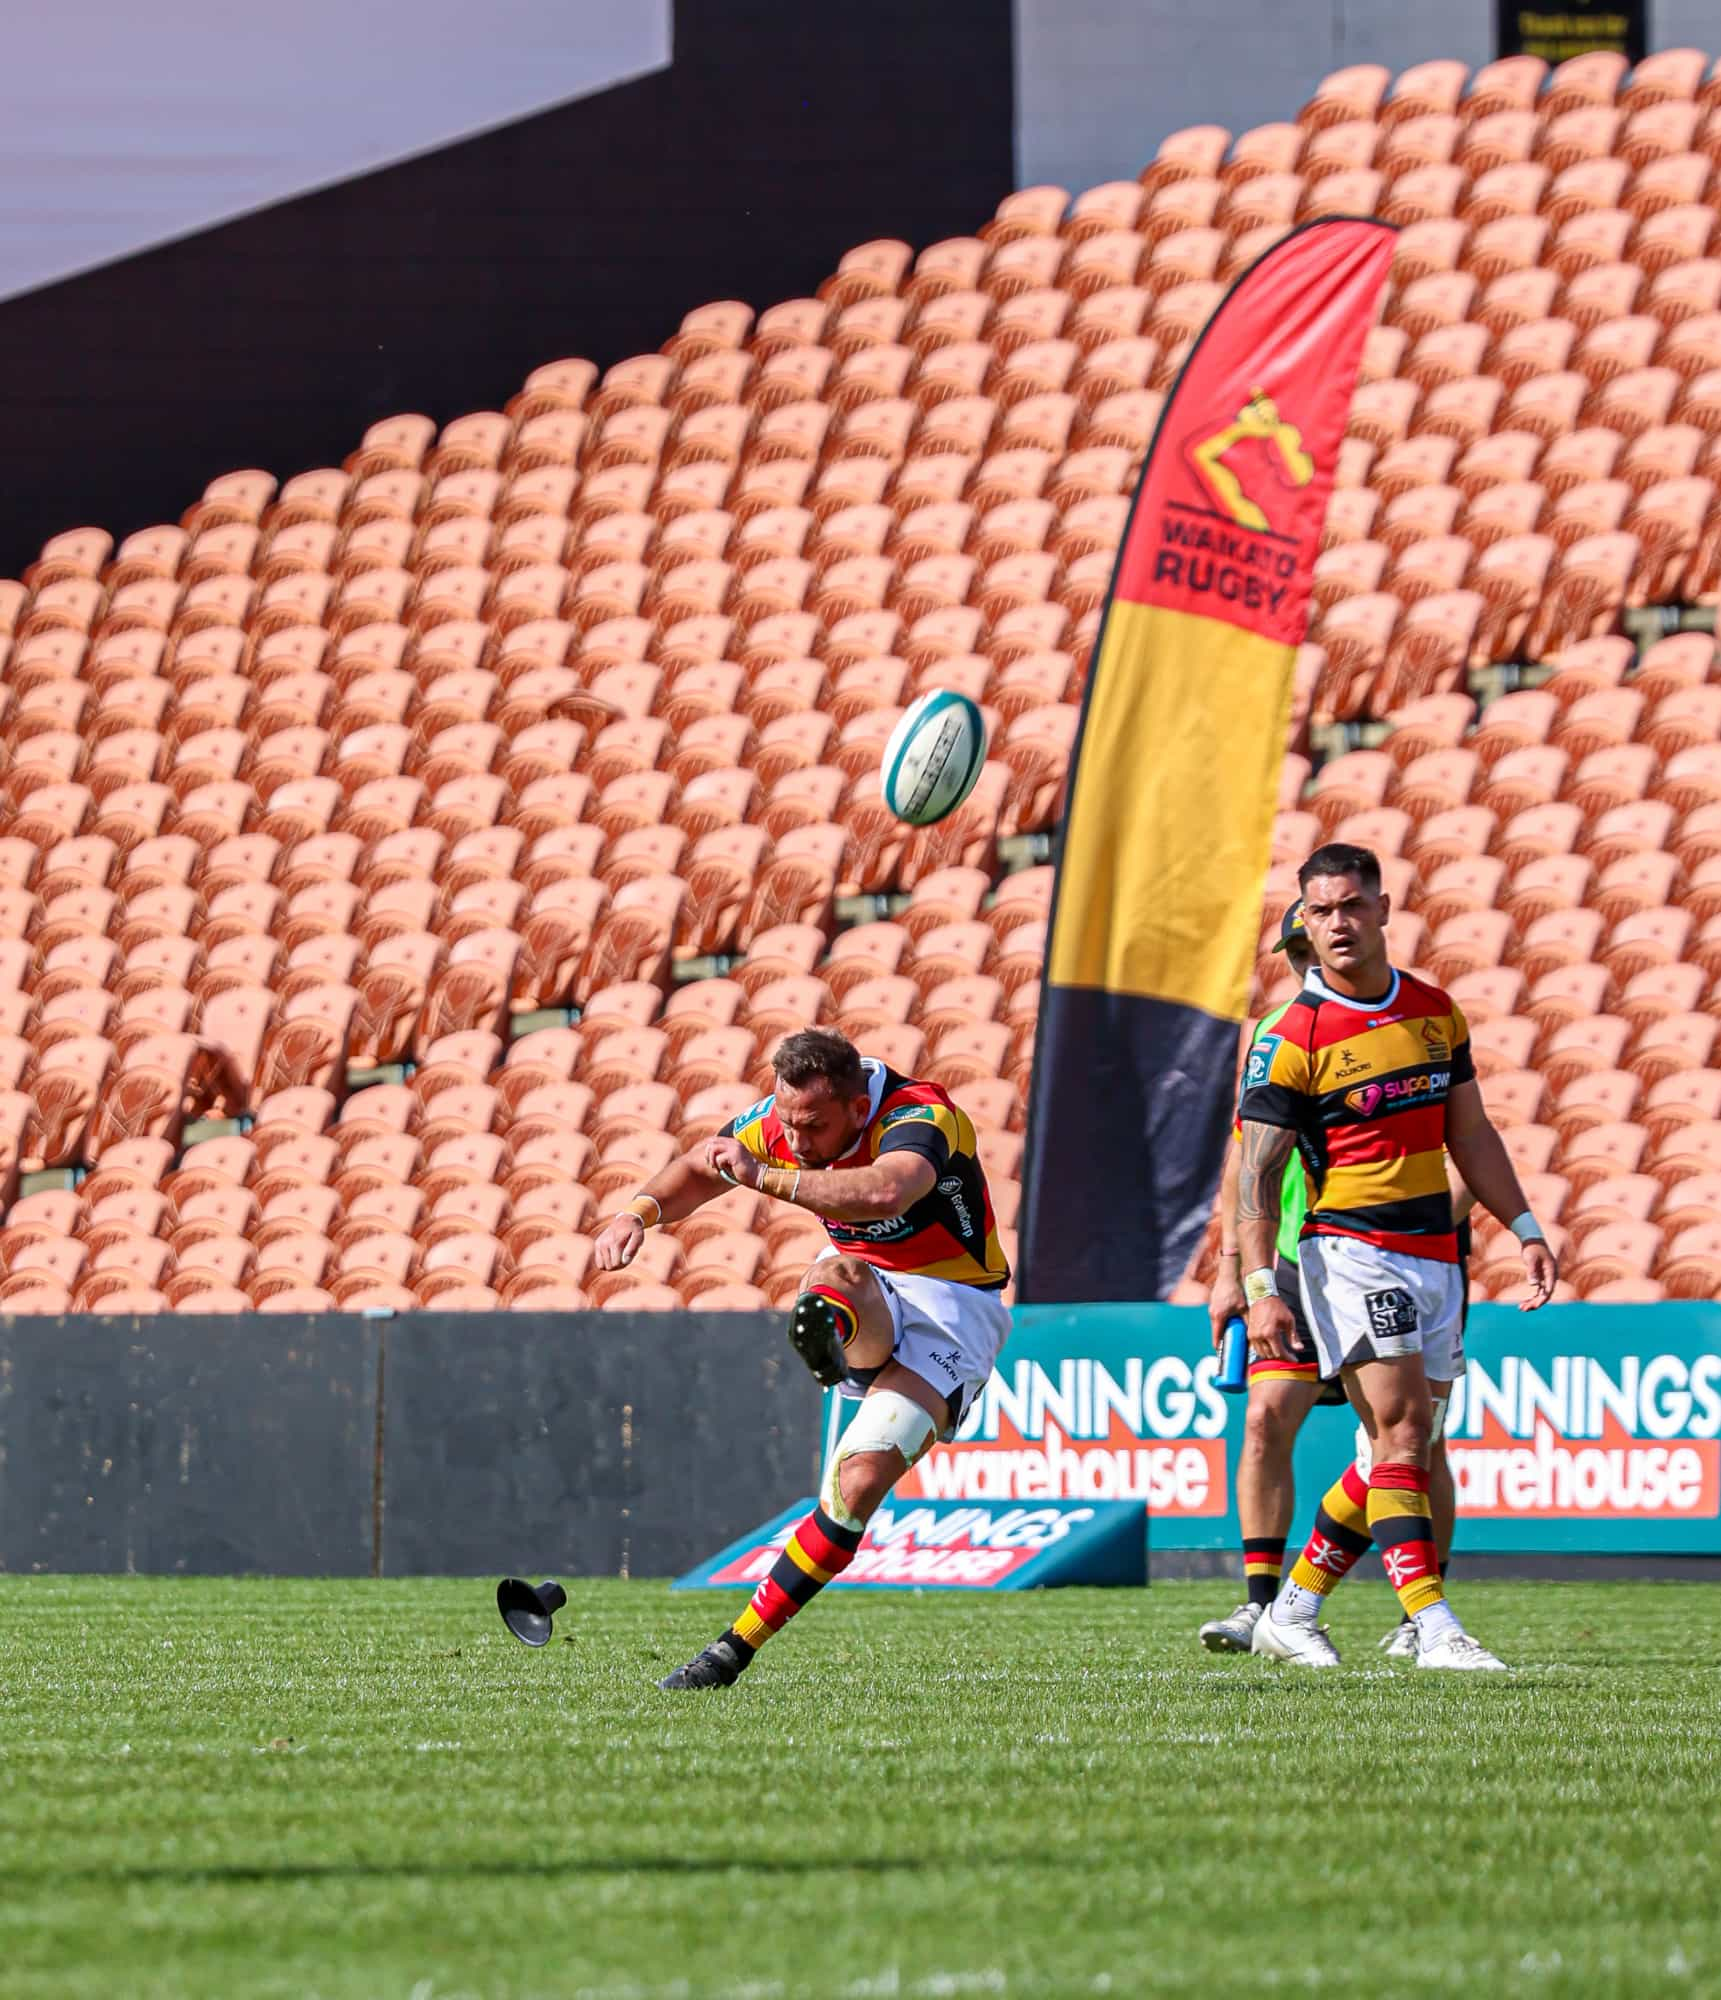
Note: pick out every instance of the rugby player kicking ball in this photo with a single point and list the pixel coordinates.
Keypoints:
(1368, 1075)
(903, 1311)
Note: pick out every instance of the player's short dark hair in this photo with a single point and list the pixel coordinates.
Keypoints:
(1339, 857)
(804, 1057)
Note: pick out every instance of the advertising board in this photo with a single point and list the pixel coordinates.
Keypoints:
(1581, 1428)
(944, 1545)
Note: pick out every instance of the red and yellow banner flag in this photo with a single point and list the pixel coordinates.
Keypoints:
(1167, 832)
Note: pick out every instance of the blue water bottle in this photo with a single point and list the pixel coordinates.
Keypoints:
(1233, 1376)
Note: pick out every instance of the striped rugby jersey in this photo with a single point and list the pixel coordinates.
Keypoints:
(950, 1232)
(1293, 1186)
(1364, 1085)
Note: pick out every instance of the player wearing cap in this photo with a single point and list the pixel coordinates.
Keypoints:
(1284, 1389)
(1368, 1075)
(904, 1310)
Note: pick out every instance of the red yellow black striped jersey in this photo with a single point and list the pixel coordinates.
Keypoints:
(1363, 1085)
(950, 1232)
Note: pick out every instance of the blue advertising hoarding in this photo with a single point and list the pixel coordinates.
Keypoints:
(958, 1545)
(1579, 1429)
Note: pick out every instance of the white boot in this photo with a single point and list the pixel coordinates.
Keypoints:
(1304, 1645)
(1402, 1641)
(1459, 1650)
(1233, 1634)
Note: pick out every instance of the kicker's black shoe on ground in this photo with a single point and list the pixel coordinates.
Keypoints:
(719, 1666)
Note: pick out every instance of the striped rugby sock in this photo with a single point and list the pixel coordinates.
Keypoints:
(1263, 1564)
(1402, 1524)
(818, 1550)
(1340, 1538)
(1445, 1570)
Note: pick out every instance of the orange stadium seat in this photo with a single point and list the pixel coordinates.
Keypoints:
(572, 709)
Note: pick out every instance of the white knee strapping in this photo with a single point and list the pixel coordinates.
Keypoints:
(1436, 1431)
(885, 1422)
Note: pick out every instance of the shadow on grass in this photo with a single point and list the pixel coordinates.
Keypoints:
(600, 1865)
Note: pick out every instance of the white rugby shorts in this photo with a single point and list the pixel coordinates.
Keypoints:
(949, 1335)
(1363, 1303)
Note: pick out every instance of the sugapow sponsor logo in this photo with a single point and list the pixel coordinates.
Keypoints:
(872, 1232)
(1367, 1098)
(1571, 1437)
(1153, 1431)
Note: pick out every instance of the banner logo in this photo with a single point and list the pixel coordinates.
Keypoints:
(1257, 422)
(1150, 1430)
(972, 1547)
(932, 1545)
(1569, 1438)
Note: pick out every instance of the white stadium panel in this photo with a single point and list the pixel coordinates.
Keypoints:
(1099, 83)
(128, 127)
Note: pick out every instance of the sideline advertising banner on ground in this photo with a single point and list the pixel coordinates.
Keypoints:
(951, 1545)
(1581, 1429)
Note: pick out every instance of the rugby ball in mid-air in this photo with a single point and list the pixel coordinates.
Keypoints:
(933, 757)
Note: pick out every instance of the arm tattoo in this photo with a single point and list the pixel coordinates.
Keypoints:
(1265, 1149)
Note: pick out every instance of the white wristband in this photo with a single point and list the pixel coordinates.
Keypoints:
(1259, 1285)
(1527, 1229)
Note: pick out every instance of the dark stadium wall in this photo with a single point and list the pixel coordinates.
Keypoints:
(602, 1444)
(640, 1444)
(597, 1444)
(206, 1446)
(779, 136)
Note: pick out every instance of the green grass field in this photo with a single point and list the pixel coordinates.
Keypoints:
(353, 1789)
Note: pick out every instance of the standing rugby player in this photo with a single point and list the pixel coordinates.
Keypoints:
(1368, 1075)
(1283, 1390)
(903, 1311)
